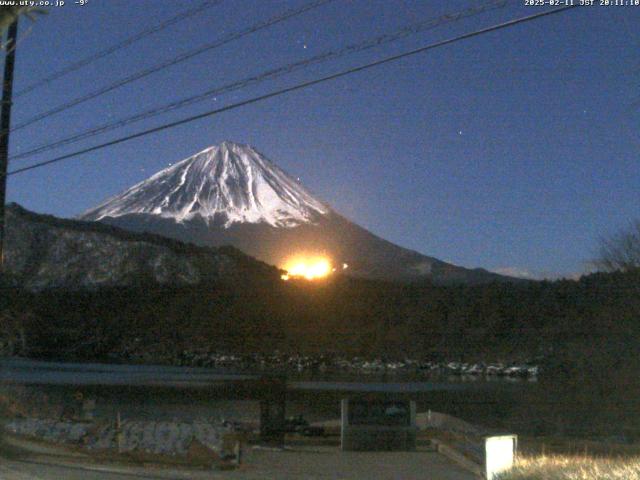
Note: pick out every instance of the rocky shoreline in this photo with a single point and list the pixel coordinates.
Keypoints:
(331, 364)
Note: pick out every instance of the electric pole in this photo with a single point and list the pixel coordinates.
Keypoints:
(5, 125)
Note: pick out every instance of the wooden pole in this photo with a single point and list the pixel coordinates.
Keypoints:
(5, 126)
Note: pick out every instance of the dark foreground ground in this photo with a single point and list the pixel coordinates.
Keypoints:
(300, 463)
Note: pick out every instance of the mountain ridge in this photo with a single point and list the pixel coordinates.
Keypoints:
(233, 195)
(43, 252)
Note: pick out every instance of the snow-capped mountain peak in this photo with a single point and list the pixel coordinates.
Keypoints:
(230, 182)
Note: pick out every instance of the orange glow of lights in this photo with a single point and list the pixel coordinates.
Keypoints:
(309, 268)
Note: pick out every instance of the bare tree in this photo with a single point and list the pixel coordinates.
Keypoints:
(620, 251)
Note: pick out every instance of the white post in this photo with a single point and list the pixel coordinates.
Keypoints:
(500, 454)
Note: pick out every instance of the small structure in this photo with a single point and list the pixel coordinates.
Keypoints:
(378, 424)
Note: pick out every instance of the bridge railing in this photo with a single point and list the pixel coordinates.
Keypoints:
(481, 450)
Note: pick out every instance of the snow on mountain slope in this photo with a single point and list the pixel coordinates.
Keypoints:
(229, 183)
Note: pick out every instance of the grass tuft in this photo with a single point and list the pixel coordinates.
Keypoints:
(563, 467)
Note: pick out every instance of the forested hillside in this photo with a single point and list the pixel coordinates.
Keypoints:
(585, 324)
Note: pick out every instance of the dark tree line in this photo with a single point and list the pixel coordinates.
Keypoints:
(564, 319)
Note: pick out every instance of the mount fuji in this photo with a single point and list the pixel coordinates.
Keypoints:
(231, 194)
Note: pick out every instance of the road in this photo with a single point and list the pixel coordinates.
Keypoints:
(310, 463)
(26, 470)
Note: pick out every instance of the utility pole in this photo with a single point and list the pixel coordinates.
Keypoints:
(5, 125)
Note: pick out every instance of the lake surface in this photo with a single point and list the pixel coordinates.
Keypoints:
(35, 372)
(187, 393)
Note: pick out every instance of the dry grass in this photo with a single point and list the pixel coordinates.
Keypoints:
(565, 467)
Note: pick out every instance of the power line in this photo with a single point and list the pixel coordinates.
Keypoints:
(118, 46)
(299, 86)
(377, 41)
(174, 61)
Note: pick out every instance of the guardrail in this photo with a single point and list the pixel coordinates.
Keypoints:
(481, 451)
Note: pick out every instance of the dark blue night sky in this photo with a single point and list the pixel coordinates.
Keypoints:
(515, 150)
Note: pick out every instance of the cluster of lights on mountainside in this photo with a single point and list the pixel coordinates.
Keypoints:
(309, 268)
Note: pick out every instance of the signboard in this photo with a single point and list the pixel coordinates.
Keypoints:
(378, 424)
(390, 413)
